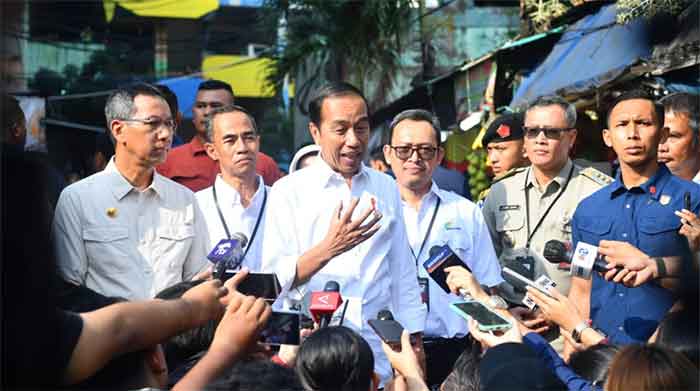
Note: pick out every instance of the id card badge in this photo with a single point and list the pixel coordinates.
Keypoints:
(424, 291)
(545, 283)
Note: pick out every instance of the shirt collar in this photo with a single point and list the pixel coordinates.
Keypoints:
(326, 174)
(653, 185)
(196, 146)
(696, 179)
(560, 179)
(231, 195)
(121, 187)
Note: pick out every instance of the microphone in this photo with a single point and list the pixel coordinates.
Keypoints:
(385, 315)
(325, 303)
(584, 259)
(228, 253)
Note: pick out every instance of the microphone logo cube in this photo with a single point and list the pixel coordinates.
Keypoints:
(223, 251)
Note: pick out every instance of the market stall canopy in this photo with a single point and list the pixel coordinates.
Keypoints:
(186, 9)
(185, 88)
(591, 53)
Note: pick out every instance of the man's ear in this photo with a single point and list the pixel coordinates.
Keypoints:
(607, 138)
(315, 133)
(387, 153)
(574, 133)
(117, 128)
(440, 155)
(211, 151)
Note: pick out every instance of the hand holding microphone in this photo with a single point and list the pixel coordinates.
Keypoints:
(584, 258)
(325, 303)
(463, 283)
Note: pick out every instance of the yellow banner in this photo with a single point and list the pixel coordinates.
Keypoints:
(245, 74)
(187, 9)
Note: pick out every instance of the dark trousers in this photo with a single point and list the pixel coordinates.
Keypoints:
(440, 356)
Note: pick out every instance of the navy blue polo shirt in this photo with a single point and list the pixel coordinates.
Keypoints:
(642, 216)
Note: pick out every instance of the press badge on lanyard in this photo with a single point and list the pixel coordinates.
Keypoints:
(422, 281)
(424, 291)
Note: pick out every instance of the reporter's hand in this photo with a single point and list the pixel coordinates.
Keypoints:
(690, 228)
(243, 320)
(558, 308)
(205, 274)
(404, 361)
(345, 233)
(532, 321)
(635, 267)
(459, 277)
(204, 301)
(232, 285)
(489, 340)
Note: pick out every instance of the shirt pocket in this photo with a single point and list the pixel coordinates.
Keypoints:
(106, 249)
(596, 226)
(174, 244)
(658, 232)
(510, 220)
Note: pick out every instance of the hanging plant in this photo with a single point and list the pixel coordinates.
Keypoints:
(629, 10)
(542, 12)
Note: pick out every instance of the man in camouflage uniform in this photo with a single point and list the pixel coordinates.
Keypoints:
(529, 206)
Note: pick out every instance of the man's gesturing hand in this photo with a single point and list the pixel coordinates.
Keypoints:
(345, 233)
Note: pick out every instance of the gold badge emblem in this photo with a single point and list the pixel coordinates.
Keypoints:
(112, 212)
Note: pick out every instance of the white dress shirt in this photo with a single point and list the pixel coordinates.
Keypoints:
(123, 242)
(238, 218)
(459, 224)
(696, 179)
(377, 274)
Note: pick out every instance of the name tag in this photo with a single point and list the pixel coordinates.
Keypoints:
(504, 208)
(424, 291)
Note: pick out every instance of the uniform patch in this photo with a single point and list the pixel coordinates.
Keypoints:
(665, 199)
(503, 208)
(503, 131)
(596, 176)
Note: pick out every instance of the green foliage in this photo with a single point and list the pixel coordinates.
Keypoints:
(339, 40)
(629, 10)
(478, 180)
(542, 12)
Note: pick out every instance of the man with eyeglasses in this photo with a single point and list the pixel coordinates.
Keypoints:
(437, 217)
(525, 210)
(237, 199)
(127, 231)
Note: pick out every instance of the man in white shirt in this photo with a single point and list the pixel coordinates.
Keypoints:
(435, 217)
(128, 231)
(338, 220)
(236, 201)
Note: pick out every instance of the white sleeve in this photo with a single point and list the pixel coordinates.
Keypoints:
(68, 242)
(486, 267)
(405, 291)
(196, 260)
(280, 250)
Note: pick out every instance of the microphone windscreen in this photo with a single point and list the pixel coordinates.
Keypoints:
(241, 238)
(385, 315)
(306, 305)
(434, 250)
(331, 286)
(555, 251)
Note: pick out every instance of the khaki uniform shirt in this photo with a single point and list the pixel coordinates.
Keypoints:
(505, 214)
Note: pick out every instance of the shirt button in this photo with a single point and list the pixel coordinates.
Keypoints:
(627, 206)
(621, 328)
(621, 294)
(624, 235)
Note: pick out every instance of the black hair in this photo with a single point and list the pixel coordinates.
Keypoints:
(465, 371)
(257, 375)
(215, 85)
(335, 359)
(331, 90)
(12, 115)
(209, 119)
(592, 364)
(170, 97)
(687, 104)
(416, 115)
(679, 331)
(637, 94)
(180, 347)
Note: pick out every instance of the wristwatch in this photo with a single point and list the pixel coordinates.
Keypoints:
(578, 330)
(497, 302)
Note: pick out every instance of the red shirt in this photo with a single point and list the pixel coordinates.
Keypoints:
(190, 166)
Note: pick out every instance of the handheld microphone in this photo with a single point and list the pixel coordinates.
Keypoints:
(228, 254)
(584, 259)
(385, 315)
(325, 303)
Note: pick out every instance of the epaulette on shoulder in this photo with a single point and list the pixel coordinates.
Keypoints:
(483, 194)
(508, 174)
(597, 176)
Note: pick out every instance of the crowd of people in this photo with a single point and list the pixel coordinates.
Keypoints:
(111, 285)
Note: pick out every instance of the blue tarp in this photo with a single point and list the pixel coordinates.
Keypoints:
(186, 89)
(592, 52)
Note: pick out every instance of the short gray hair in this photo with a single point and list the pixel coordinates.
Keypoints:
(120, 103)
(555, 100)
(684, 103)
(209, 120)
(416, 115)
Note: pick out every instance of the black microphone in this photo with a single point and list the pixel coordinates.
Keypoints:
(558, 252)
(385, 315)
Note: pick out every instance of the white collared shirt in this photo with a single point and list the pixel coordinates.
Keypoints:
(459, 224)
(238, 218)
(696, 179)
(123, 242)
(377, 274)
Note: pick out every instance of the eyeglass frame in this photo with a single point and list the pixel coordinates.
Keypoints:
(153, 124)
(547, 132)
(415, 148)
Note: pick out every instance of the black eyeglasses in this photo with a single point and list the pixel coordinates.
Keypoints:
(404, 152)
(154, 123)
(550, 133)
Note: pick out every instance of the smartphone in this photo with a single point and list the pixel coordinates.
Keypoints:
(282, 329)
(263, 285)
(686, 201)
(440, 258)
(519, 281)
(487, 319)
(388, 331)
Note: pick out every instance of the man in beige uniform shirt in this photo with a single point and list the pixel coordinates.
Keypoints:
(531, 205)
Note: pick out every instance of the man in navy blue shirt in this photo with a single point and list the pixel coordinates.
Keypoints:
(638, 207)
